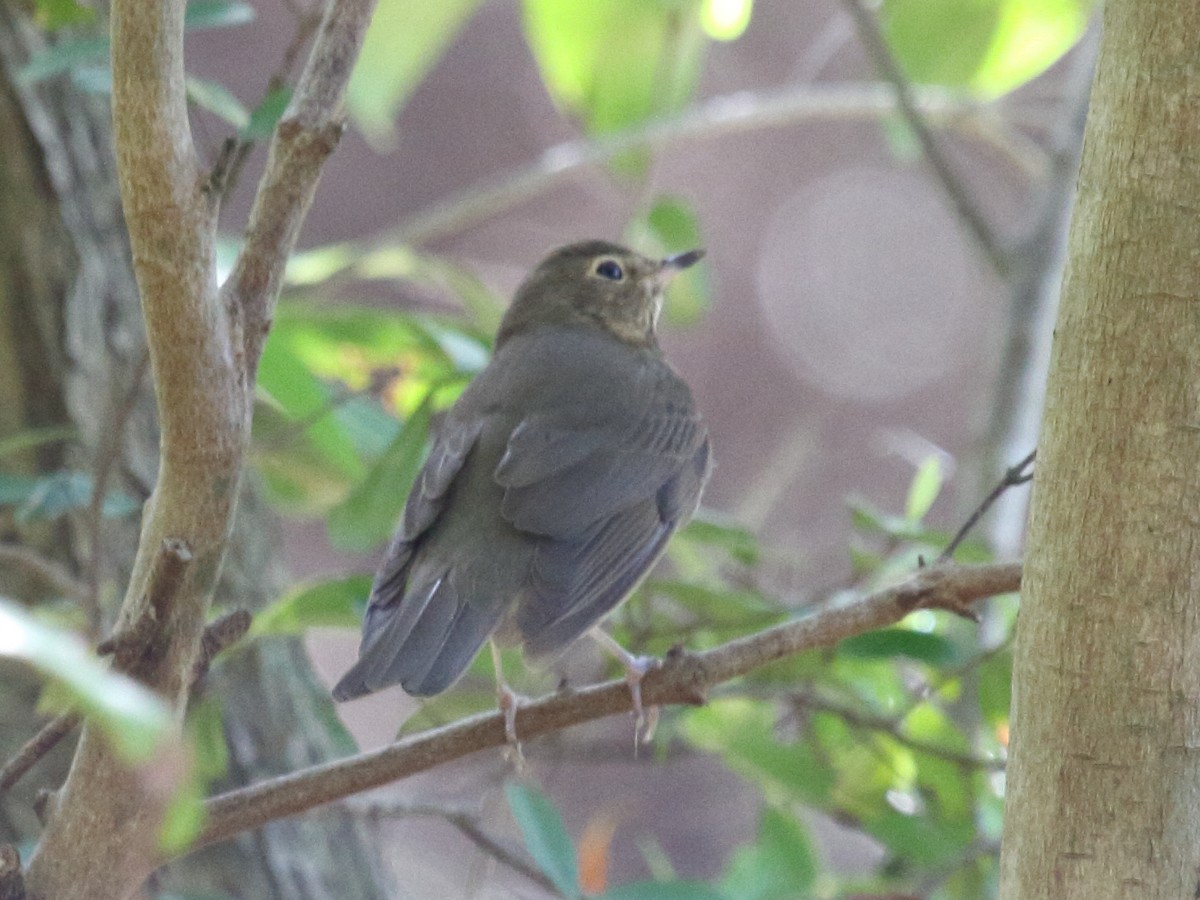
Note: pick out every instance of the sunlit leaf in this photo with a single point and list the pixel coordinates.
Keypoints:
(183, 819)
(338, 602)
(615, 63)
(545, 837)
(924, 489)
(133, 718)
(265, 116)
(54, 14)
(404, 42)
(987, 46)
(206, 733)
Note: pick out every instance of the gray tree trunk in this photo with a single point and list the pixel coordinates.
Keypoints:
(71, 344)
(1104, 781)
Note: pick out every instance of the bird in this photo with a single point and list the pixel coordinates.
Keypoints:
(551, 488)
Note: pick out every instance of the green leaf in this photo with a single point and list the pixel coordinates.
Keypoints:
(206, 732)
(70, 54)
(711, 528)
(217, 99)
(616, 63)
(202, 14)
(183, 820)
(926, 484)
(545, 837)
(36, 437)
(892, 642)
(54, 14)
(402, 45)
(987, 46)
(781, 863)
(133, 718)
(265, 116)
(664, 890)
(368, 516)
(49, 497)
(337, 603)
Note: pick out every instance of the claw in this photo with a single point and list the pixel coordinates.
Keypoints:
(636, 667)
(510, 702)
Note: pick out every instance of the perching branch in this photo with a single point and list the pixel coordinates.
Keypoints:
(684, 678)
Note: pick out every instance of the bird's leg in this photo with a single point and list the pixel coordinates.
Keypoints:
(636, 667)
(509, 701)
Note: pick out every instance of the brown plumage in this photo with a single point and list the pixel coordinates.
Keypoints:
(553, 486)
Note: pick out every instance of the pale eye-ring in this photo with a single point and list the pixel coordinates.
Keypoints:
(610, 269)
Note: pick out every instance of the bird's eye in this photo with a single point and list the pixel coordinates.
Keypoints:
(610, 269)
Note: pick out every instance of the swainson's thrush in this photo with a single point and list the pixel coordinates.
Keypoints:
(553, 485)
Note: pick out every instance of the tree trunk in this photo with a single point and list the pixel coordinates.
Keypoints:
(71, 349)
(1104, 781)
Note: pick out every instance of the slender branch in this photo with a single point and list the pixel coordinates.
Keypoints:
(684, 678)
(41, 569)
(1013, 476)
(35, 748)
(958, 193)
(717, 117)
(304, 139)
(468, 825)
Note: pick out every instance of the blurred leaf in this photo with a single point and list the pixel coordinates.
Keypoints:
(206, 733)
(545, 837)
(369, 515)
(48, 497)
(217, 99)
(202, 14)
(183, 819)
(68, 54)
(36, 437)
(725, 20)
(781, 864)
(711, 528)
(671, 227)
(742, 732)
(720, 605)
(92, 79)
(892, 642)
(988, 46)
(133, 718)
(404, 42)
(54, 14)
(616, 63)
(926, 484)
(338, 603)
(265, 116)
(470, 696)
(664, 890)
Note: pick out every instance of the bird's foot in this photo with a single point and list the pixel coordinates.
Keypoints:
(510, 702)
(636, 668)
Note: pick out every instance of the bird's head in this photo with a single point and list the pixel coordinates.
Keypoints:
(596, 284)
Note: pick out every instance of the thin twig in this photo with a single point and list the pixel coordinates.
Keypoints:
(1013, 476)
(35, 748)
(12, 880)
(716, 117)
(966, 207)
(683, 678)
(219, 635)
(467, 823)
(892, 727)
(43, 570)
(107, 455)
(303, 140)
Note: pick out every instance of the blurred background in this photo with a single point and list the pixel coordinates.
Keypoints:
(883, 193)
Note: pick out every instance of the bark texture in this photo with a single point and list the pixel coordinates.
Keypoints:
(71, 339)
(1104, 779)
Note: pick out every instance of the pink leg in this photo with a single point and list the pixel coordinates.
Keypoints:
(636, 668)
(509, 701)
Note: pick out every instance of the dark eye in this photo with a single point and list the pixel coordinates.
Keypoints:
(610, 269)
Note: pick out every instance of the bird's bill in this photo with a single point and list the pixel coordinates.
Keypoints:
(673, 265)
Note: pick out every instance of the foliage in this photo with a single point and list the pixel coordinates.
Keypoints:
(898, 734)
